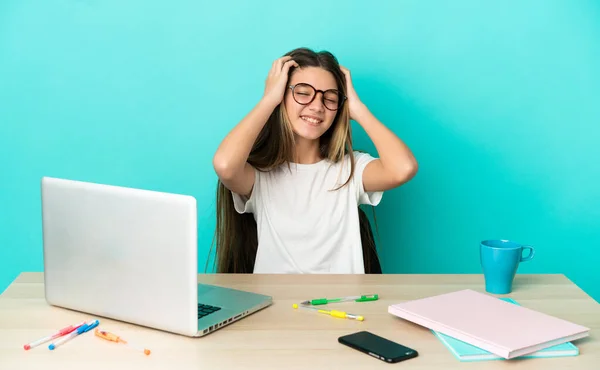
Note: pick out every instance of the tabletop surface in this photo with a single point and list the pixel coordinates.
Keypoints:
(279, 337)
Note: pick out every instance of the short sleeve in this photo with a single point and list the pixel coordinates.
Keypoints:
(370, 198)
(245, 204)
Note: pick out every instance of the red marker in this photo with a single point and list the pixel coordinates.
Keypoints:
(60, 333)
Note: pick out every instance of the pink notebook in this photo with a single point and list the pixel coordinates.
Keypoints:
(500, 327)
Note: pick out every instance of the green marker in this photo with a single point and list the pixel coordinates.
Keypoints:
(357, 298)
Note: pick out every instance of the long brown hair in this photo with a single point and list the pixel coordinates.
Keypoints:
(236, 234)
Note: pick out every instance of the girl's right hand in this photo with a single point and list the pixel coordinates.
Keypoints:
(276, 82)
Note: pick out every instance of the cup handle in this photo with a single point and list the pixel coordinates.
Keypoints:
(529, 256)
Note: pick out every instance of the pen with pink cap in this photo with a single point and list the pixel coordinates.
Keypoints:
(82, 329)
(59, 333)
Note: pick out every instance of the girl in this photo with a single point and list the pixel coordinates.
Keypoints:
(290, 182)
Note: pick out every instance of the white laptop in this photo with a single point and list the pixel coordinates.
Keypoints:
(132, 255)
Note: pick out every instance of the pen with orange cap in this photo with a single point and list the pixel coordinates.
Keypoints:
(117, 339)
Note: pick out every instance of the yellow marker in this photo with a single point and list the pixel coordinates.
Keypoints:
(114, 338)
(334, 313)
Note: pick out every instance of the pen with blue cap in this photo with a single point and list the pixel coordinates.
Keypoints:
(82, 329)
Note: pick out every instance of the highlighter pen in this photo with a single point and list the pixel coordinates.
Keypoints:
(117, 339)
(356, 298)
(334, 313)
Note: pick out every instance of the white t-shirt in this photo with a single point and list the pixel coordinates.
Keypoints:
(302, 225)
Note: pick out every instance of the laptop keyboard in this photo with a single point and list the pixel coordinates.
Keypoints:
(204, 310)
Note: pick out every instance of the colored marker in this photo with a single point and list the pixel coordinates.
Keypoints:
(356, 298)
(57, 334)
(117, 339)
(334, 313)
(82, 329)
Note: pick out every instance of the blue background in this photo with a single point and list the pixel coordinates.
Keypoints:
(499, 100)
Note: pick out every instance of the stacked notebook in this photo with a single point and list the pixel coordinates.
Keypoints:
(466, 352)
(502, 328)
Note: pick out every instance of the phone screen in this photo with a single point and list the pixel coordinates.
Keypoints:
(378, 347)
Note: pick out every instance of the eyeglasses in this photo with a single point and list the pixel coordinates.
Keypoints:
(305, 94)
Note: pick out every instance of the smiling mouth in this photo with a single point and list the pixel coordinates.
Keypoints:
(311, 121)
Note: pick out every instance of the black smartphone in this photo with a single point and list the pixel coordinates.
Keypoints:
(378, 347)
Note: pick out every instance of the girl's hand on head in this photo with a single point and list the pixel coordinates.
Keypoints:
(276, 82)
(354, 103)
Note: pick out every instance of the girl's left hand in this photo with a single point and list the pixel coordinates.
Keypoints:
(354, 103)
